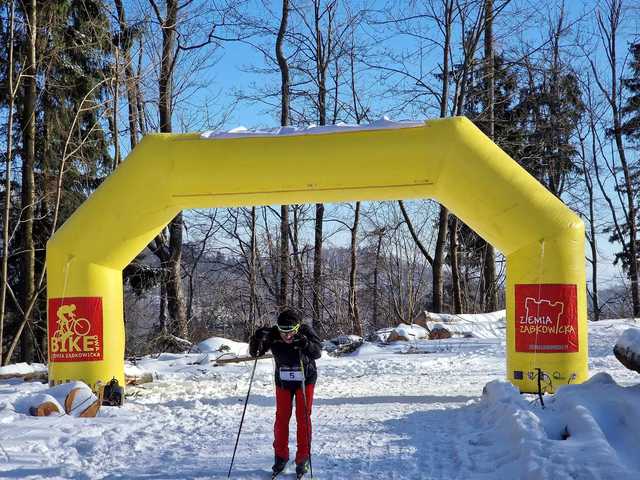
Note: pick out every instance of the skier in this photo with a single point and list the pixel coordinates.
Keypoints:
(295, 347)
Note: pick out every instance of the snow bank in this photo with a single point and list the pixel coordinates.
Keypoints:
(131, 370)
(342, 344)
(367, 350)
(501, 392)
(22, 369)
(411, 331)
(630, 340)
(404, 332)
(476, 325)
(243, 132)
(222, 345)
(57, 395)
(585, 431)
(377, 415)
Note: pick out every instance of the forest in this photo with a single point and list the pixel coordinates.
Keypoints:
(555, 84)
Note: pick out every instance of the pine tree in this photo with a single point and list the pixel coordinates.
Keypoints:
(631, 110)
(631, 129)
(62, 109)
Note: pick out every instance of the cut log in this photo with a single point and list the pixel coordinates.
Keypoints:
(68, 401)
(438, 332)
(138, 379)
(44, 409)
(91, 410)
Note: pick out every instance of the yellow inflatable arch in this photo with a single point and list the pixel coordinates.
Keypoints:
(449, 160)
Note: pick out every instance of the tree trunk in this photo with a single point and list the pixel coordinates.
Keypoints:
(374, 321)
(172, 267)
(322, 53)
(284, 121)
(28, 187)
(592, 223)
(253, 276)
(7, 182)
(631, 207)
(165, 81)
(284, 67)
(299, 275)
(443, 220)
(317, 266)
(175, 294)
(130, 81)
(631, 218)
(284, 256)
(438, 260)
(490, 295)
(162, 316)
(353, 297)
(455, 269)
(113, 121)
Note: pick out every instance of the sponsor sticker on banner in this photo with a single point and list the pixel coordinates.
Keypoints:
(546, 318)
(75, 329)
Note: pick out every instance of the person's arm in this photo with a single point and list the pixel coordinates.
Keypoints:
(308, 342)
(260, 342)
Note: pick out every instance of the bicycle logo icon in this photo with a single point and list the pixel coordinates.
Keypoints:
(72, 333)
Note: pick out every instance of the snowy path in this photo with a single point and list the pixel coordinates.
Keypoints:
(376, 416)
(379, 418)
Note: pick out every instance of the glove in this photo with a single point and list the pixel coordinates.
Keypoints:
(259, 344)
(300, 342)
(255, 349)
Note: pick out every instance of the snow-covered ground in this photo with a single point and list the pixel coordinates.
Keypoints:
(381, 413)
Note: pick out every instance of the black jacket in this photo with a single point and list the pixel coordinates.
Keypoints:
(288, 355)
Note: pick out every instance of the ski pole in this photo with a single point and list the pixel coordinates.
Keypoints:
(306, 412)
(246, 401)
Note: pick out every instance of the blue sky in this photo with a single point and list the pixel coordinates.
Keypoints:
(229, 74)
(218, 82)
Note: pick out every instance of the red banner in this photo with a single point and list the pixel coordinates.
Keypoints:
(546, 318)
(75, 329)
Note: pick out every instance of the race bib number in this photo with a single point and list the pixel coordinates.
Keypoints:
(291, 374)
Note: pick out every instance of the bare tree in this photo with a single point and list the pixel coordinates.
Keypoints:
(175, 42)
(11, 90)
(168, 245)
(318, 34)
(625, 232)
(489, 271)
(469, 40)
(590, 134)
(379, 234)
(442, 15)
(284, 121)
(29, 100)
(126, 37)
(354, 314)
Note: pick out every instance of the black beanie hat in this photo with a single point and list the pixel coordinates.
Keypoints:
(288, 318)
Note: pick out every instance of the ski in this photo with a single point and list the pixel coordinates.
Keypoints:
(302, 469)
(276, 474)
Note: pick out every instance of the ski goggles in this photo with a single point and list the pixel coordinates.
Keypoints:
(289, 330)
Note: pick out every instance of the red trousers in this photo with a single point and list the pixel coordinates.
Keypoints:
(284, 405)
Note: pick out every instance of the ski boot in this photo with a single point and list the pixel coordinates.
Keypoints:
(278, 467)
(302, 468)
